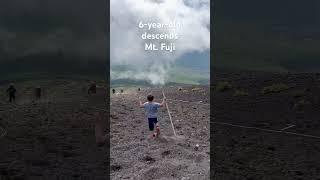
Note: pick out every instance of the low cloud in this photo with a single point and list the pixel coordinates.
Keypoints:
(127, 46)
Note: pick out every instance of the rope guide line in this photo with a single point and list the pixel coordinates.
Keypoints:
(169, 115)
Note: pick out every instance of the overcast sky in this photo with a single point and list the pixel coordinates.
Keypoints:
(48, 26)
(127, 46)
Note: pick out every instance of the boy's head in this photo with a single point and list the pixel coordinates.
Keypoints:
(150, 97)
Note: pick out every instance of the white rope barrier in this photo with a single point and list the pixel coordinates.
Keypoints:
(267, 130)
(290, 126)
(189, 101)
(169, 115)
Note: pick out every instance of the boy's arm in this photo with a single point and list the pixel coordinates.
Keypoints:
(163, 103)
(140, 103)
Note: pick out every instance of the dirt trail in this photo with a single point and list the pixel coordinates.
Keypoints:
(135, 156)
(262, 151)
(52, 138)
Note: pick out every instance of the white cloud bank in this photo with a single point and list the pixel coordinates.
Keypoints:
(127, 46)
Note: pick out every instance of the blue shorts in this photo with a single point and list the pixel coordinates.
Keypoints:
(152, 122)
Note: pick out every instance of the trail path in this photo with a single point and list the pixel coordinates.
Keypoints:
(135, 156)
(52, 138)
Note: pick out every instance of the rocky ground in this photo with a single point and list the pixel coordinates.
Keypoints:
(52, 138)
(135, 156)
(251, 133)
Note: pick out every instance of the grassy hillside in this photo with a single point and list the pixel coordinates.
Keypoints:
(177, 75)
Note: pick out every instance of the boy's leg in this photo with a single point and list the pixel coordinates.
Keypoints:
(151, 126)
(157, 130)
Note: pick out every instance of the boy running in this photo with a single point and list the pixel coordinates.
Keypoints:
(151, 112)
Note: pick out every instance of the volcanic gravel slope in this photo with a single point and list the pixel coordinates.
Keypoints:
(52, 138)
(247, 153)
(135, 156)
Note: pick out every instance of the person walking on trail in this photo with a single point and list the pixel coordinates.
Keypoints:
(151, 109)
(11, 93)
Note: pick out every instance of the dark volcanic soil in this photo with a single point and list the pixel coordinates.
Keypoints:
(241, 152)
(51, 138)
(135, 156)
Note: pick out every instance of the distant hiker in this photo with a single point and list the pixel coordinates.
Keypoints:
(139, 89)
(113, 91)
(38, 92)
(180, 89)
(92, 89)
(121, 90)
(151, 112)
(11, 92)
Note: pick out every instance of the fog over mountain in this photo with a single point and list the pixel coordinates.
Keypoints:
(128, 48)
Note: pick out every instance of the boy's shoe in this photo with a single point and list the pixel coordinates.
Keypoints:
(152, 135)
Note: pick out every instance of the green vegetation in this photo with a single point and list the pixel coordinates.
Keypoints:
(196, 89)
(223, 86)
(239, 93)
(177, 75)
(275, 88)
(188, 76)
